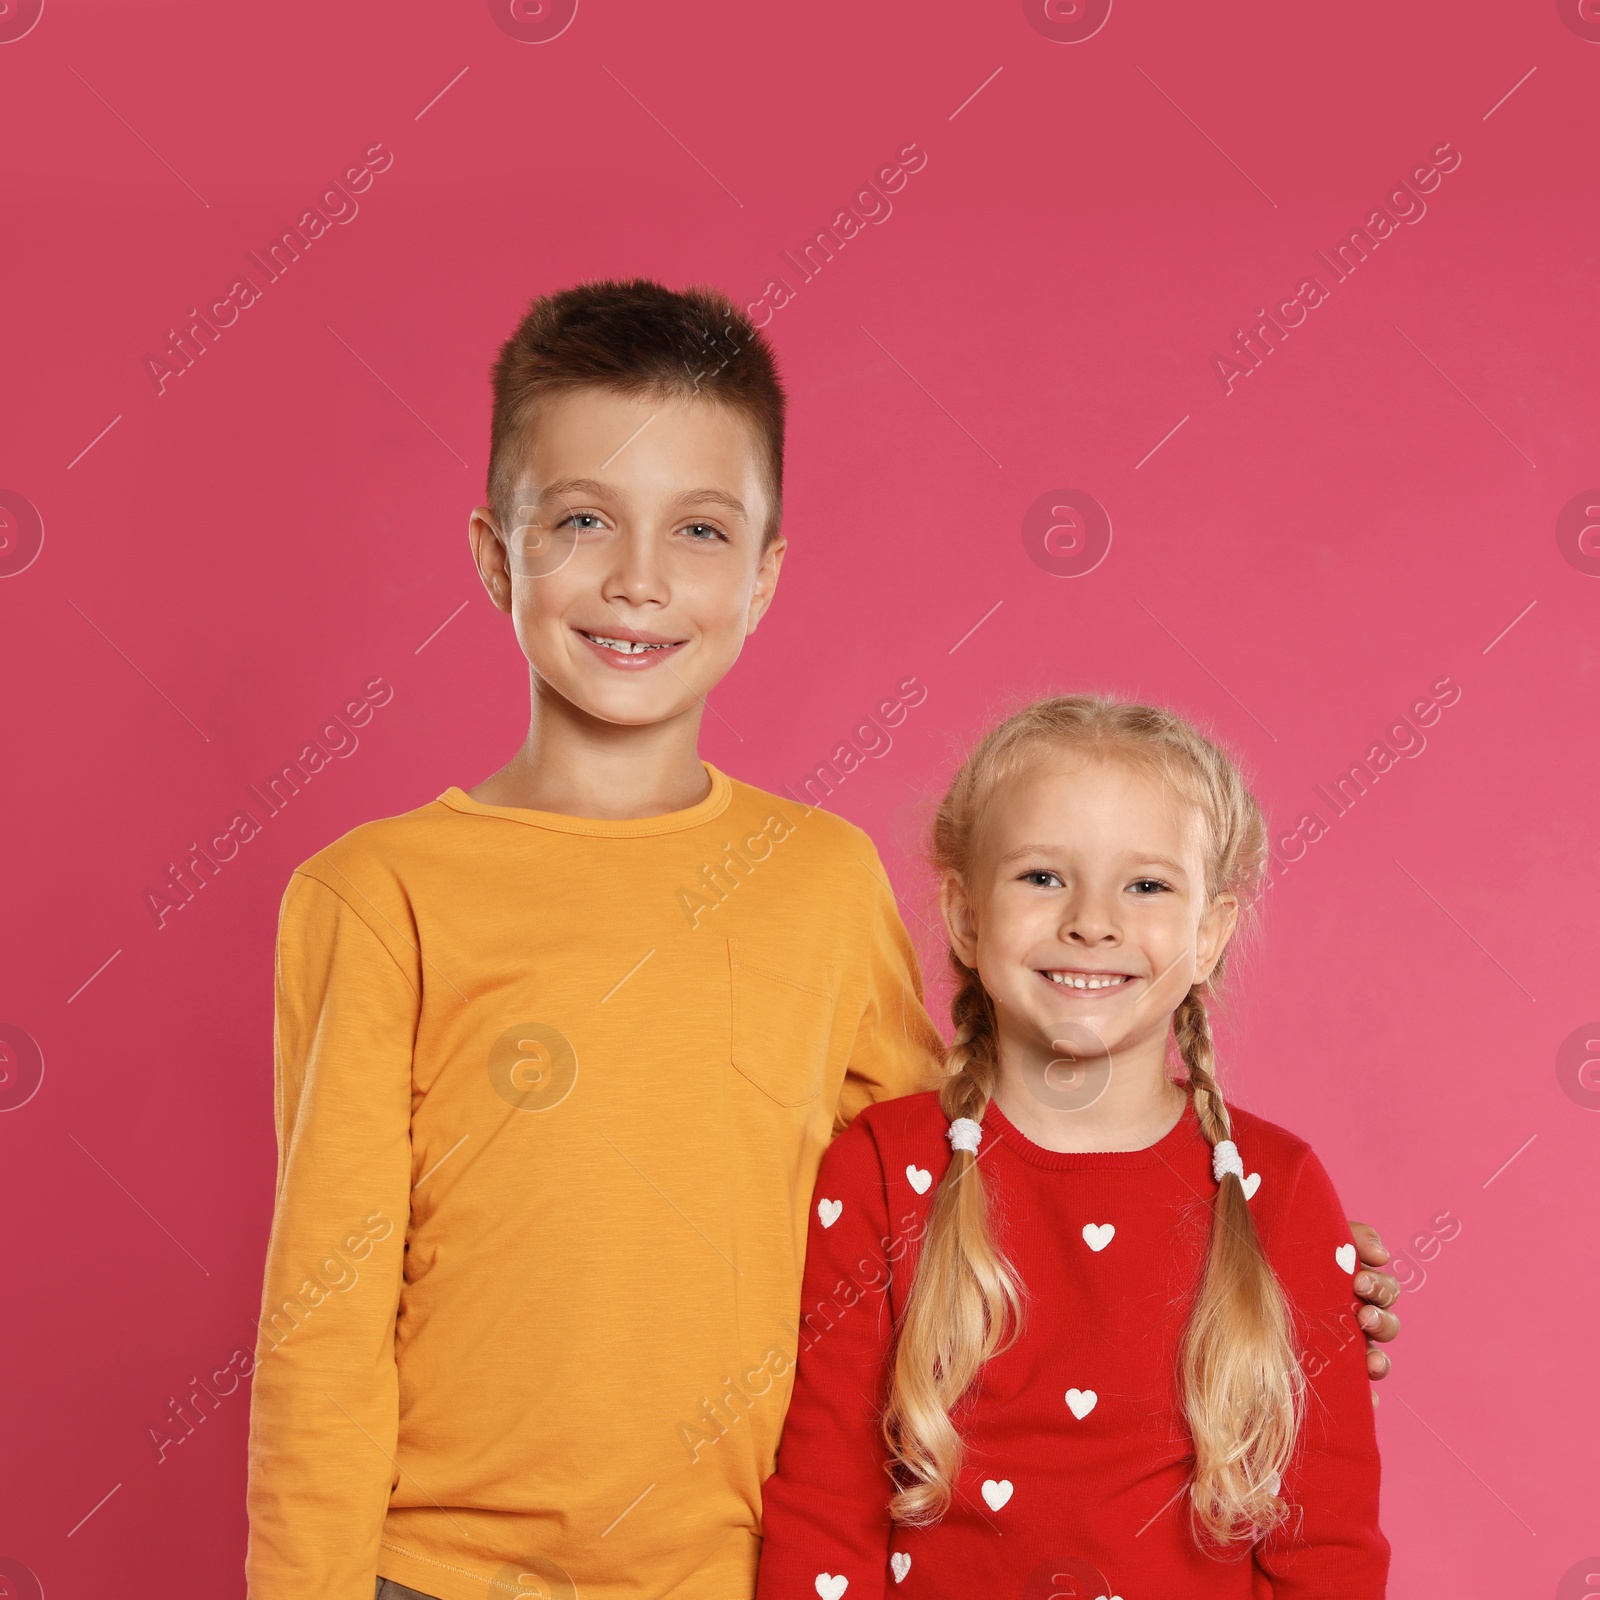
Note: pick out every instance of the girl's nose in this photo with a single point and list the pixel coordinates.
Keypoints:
(1089, 922)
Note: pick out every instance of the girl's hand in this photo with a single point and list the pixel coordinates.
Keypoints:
(1380, 1292)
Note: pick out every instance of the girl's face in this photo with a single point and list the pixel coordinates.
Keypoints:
(1087, 916)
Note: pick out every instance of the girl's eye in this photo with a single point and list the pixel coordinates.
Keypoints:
(705, 532)
(1042, 879)
(1147, 886)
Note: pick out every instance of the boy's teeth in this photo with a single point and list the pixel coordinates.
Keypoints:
(624, 646)
(1072, 980)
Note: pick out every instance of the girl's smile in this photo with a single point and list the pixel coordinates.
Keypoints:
(1078, 980)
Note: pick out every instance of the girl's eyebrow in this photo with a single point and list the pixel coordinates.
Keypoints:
(1163, 861)
(1154, 860)
(1027, 850)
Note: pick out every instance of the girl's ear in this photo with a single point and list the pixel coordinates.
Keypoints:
(1216, 929)
(956, 909)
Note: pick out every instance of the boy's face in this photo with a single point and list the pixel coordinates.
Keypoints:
(633, 567)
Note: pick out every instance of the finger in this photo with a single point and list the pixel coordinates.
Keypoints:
(1369, 1246)
(1381, 1326)
(1378, 1368)
(1377, 1287)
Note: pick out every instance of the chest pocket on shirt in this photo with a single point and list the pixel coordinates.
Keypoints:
(782, 1020)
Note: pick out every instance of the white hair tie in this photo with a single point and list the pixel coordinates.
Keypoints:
(1224, 1159)
(965, 1134)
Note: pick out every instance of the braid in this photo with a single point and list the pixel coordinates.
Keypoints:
(972, 1062)
(965, 1303)
(1242, 1384)
(1191, 1027)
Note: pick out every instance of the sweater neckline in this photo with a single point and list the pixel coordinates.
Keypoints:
(712, 806)
(1183, 1132)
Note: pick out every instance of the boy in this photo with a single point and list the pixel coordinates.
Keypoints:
(558, 1057)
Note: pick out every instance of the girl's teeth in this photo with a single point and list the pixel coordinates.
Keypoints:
(1069, 980)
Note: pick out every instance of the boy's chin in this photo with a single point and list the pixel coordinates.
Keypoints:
(624, 704)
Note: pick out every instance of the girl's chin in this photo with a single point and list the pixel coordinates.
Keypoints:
(1086, 1035)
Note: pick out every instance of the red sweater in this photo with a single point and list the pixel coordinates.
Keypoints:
(1077, 1458)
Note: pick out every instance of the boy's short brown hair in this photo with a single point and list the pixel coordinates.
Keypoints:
(635, 337)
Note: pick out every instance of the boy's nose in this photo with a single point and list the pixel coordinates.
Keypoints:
(637, 576)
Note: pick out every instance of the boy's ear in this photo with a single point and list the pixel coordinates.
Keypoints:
(489, 555)
(956, 909)
(1216, 929)
(766, 584)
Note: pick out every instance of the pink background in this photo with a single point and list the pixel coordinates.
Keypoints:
(1370, 511)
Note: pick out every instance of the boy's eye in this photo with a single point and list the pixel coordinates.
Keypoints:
(579, 518)
(704, 532)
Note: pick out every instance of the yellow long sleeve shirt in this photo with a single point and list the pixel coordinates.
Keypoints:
(551, 1095)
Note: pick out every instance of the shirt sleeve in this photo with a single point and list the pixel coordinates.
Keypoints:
(1332, 1548)
(825, 1509)
(897, 1048)
(325, 1404)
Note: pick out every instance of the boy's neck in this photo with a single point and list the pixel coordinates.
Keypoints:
(578, 766)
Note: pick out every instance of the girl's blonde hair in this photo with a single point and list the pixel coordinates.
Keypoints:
(1240, 1380)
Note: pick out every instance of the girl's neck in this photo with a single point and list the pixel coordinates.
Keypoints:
(1117, 1103)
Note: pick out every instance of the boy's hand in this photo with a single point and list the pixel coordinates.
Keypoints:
(1380, 1292)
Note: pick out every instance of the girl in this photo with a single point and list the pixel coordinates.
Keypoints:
(1071, 1326)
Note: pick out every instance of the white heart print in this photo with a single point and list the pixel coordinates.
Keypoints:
(828, 1211)
(1080, 1402)
(1251, 1184)
(996, 1494)
(901, 1563)
(1097, 1235)
(830, 1585)
(918, 1177)
(1345, 1255)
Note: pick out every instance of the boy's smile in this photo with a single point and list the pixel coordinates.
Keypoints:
(635, 565)
(627, 650)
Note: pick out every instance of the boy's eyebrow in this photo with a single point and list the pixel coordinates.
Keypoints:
(719, 497)
(564, 487)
